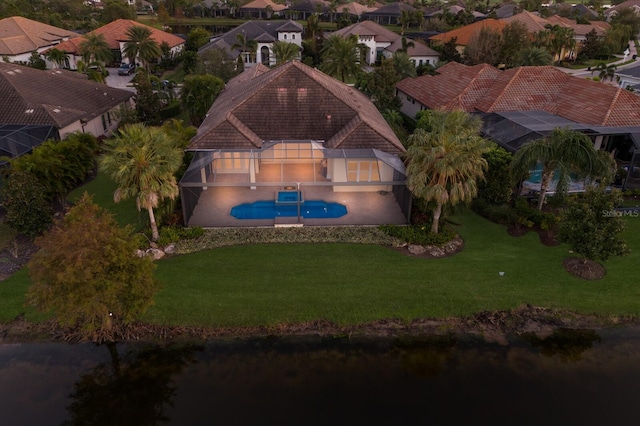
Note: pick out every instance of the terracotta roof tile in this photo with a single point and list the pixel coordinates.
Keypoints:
(21, 35)
(369, 28)
(115, 32)
(262, 4)
(468, 32)
(525, 89)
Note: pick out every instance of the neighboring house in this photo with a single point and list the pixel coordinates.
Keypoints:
(294, 128)
(389, 14)
(258, 9)
(506, 11)
(265, 33)
(629, 4)
(382, 42)
(39, 105)
(19, 37)
(526, 103)
(306, 8)
(211, 8)
(531, 21)
(115, 34)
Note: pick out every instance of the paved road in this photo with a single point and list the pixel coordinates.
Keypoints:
(584, 72)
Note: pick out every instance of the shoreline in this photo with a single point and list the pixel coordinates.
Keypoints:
(492, 326)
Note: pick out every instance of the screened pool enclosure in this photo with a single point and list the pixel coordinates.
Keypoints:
(371, 183)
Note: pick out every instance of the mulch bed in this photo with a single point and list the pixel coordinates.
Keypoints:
(584, 268)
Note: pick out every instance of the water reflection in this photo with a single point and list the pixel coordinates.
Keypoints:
(567, 344)
(131, 389)
(579, 377)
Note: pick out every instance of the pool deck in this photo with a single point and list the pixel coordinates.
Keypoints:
(363, 208)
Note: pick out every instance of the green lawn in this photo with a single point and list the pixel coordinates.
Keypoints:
(351, 283)
(102, 188)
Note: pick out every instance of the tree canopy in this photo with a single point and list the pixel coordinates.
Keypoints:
(444, 159)
(143, 161)
(87, 274)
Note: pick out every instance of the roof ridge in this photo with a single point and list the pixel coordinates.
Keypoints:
(611, 105)
(509, 83)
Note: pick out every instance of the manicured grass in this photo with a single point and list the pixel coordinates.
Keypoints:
(352, 283)
(102, 188)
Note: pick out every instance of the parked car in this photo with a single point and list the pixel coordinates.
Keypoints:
(126, 69)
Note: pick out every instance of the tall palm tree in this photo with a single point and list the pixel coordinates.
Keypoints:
(535, 57)
(444, 159)
(140, 44)
(246, 46)
(342, 57)
(406, 44)
(562, 153)
(56, 56)
(142, 161)
(285, 51)
(94, 48)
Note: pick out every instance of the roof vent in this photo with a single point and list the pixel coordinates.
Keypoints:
(56, 110)
(18, 71)
(104, 94)
(29, 111)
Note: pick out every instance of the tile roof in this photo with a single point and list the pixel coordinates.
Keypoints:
(21, 35)
(418, 49)
(293, 102)
(531, 21)
(468, 32)
(485, 89)
(262, 4)
(52, 97)
(369, 28)
(310, 6)
(391, 9)
(251, 30)
(115, 32)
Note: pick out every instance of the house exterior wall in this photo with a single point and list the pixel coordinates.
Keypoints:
(370, 42)
(102, 125)
(410, 106)
(338, 168)
(291, 37)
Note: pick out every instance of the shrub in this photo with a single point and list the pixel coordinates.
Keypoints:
(420, 234)
(170, 110)
(172, 234)
(28, 211)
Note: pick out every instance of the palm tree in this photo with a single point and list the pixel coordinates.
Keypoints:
(406, 44)
(605, 72)
(535, 57)
(94, 48)
(341, 57)
(562, 153)
(444, 159)
(285, 51)
(403, 65)
(142, 161)
(56, 56)
(141, 45)
(405, 19)
(246, 46)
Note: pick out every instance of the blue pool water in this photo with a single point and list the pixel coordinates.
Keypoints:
(312, 209)
(289, 196)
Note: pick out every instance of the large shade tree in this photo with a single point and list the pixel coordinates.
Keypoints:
(140, 44)
(562, 154)
(444, 159)
(142, 161)
(87, 274)
(198, 94)
(342, 56)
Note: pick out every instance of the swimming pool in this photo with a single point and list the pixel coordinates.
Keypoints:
(311, 209)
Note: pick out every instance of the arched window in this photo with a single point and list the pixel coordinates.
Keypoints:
(264, 55)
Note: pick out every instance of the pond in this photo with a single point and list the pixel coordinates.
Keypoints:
(570, 377)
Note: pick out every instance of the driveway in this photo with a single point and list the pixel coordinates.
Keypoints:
(119, 81)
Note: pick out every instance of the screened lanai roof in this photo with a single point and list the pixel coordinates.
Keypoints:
(512, 129)
(18, 139)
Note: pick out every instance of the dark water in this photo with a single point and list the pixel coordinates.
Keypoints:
(570, 378)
